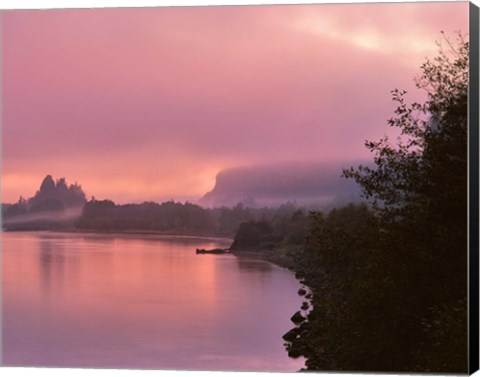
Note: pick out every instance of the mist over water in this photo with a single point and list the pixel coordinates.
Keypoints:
(67, 214)
(114, 301)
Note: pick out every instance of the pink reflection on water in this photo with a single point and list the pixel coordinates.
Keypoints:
(142, 302)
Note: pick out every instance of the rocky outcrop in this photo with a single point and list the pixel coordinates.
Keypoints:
(54, 196)
(54, 204)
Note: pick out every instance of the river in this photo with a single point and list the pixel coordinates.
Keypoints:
(142, 302)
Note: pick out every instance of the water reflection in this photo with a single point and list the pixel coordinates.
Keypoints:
(134, 302)
(52, 265)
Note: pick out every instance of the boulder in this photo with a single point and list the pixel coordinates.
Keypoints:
(297, 318)
(291, 335)
(294, 353)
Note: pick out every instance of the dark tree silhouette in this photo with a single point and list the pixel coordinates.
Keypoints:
(425, 171)
(390, 283)
(419, 191)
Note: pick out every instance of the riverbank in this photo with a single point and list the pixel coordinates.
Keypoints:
(280, 258)
(297, 342)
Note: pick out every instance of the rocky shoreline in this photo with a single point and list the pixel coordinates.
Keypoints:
(295, 339)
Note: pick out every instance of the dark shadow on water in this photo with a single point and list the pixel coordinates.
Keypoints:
(253, 264)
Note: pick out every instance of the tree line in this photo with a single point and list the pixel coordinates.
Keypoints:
(175, 217)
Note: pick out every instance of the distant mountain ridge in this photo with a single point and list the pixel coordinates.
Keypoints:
(319, 185)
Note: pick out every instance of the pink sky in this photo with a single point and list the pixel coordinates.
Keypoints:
(151, 103)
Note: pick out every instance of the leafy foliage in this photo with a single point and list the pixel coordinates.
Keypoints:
(426, 168)
(284, 230)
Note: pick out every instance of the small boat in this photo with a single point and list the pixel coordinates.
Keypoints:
(212, 251)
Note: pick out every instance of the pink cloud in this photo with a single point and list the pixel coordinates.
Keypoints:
(139, 104)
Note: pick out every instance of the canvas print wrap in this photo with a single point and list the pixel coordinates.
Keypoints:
(236, 188)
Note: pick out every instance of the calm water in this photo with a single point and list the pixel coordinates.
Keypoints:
(142, 302)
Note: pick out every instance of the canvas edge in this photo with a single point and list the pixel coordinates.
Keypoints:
(473, 96)
(473, 217)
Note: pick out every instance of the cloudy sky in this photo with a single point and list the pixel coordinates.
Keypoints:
(151, 103)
